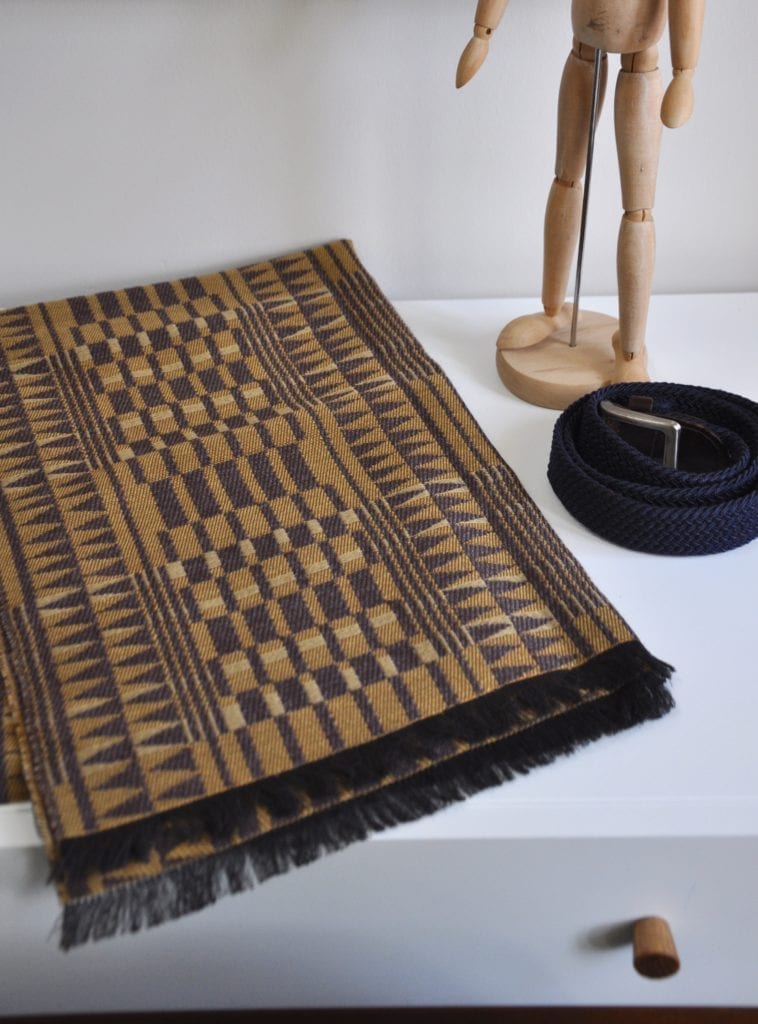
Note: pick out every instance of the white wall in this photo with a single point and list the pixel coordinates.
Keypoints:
(142, 139)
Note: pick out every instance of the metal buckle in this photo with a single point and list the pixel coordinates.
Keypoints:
(671, 429)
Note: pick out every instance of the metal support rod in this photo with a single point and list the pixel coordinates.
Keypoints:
(586, 196)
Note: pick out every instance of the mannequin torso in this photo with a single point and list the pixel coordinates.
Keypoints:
(618, 26)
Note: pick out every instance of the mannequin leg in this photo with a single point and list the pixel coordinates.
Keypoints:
(638, 138)
(564, 205)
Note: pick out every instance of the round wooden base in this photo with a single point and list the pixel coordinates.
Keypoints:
(552, 374)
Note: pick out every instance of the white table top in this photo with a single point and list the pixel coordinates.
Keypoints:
(695, 772)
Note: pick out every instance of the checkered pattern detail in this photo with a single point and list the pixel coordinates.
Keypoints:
(249, 525)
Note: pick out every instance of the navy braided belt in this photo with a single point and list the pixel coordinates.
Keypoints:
(608, 467)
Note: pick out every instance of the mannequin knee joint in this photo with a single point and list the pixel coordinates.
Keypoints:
(638, 215)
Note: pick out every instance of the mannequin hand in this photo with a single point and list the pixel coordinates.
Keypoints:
(471, 60)
(486, 20)
(679, 100)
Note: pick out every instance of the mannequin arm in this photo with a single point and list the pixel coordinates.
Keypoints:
(486, 20)
(685, 31)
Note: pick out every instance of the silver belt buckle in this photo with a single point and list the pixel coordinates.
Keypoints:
(671, 429)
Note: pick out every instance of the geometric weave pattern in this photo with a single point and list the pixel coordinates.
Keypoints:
(250, 528)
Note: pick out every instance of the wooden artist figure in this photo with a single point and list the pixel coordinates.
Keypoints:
(534, 357)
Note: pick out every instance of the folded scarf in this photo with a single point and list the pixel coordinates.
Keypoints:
(267, 588)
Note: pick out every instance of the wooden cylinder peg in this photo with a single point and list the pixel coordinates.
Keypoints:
(655, 954)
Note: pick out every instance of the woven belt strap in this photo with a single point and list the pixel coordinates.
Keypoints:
(610, 475)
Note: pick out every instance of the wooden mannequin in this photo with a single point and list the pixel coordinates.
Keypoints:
(534, 358)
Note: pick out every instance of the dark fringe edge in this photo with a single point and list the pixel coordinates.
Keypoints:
(514, 706)
(196, 884)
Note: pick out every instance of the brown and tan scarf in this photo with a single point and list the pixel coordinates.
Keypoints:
(267, 588)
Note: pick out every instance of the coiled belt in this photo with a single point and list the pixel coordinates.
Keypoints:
(608, 467)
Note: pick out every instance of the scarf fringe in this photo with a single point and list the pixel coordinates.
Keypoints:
(547, 731)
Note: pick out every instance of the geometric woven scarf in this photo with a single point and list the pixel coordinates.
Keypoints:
(267, 588)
